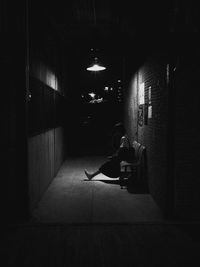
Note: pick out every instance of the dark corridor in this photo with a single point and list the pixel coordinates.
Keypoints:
(54, 111)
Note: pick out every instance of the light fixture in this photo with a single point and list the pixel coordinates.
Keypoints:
(92, 95)
(96, 66)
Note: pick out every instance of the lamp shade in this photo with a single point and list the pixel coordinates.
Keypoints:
(96, 66)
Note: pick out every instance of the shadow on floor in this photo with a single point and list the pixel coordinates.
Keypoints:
(137, 187)
(131, 185)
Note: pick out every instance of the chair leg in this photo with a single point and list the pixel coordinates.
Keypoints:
(121, 179)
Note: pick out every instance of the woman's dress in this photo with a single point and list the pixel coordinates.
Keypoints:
(111, 168)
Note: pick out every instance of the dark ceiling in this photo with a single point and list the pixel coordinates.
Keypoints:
(116, 29)
(107, 22)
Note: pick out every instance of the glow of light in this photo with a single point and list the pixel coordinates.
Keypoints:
(119, 81)
(141, 94)
(106, 88)
(149, 112)
(96, 67)
(168, 73)
(51, 80)
(111, 88)
(92, 95)
(46, 75)
(149, 95)
(93, 101)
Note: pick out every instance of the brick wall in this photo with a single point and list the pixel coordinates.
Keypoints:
(171, 136)
(153, 131)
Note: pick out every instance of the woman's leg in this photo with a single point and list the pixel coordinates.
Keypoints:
(91, 175)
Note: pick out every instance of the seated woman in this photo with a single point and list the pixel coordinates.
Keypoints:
(111, 168)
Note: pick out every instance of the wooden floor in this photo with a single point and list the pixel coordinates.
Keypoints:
(147, 244)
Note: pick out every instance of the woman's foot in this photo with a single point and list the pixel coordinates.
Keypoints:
(89, 176)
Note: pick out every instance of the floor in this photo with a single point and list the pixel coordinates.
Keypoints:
(97, 223)
(103, 245)
(72, 198)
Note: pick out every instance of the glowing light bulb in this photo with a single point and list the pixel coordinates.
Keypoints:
(96, 67)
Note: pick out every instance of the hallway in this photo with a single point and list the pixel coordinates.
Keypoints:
(71, 71)
(71, 198)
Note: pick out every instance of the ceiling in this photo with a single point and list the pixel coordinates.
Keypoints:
(107, 22)
(116, 29)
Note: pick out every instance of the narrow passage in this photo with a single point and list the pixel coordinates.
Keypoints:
(71, 198)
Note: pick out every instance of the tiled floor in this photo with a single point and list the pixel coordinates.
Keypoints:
(71, 198)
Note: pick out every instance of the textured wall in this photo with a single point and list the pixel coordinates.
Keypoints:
(46, 144)
(153, 132)
(46, 103)
(171, 136)
(131, 108)
(46, 106)
(45, 156)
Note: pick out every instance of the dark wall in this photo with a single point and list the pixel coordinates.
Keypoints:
(46, 108)
(46, 104)
(152, 131)
(171, 136)
(187, 144)
(46, 141)
(32, 106)
(13, 116)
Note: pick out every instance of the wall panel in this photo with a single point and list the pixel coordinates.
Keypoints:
(45, 156)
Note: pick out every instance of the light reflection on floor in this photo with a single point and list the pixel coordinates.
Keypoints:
(71, 198)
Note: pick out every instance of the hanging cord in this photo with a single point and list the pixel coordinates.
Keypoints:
(94, 11)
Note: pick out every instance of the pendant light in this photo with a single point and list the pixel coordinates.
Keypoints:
(95, 66)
